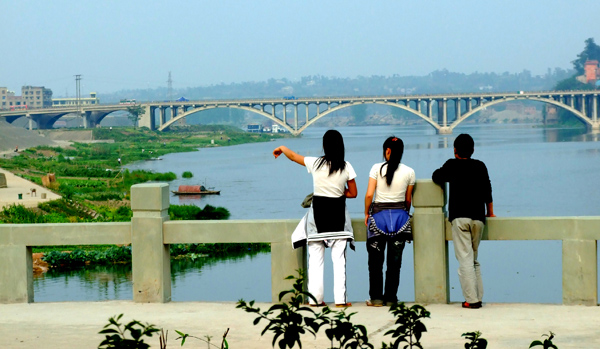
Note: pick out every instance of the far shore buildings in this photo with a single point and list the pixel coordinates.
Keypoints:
(71, 101)
(32, 97)
(591, 72)
(35, 97)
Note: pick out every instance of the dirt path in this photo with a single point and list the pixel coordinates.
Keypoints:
(19, 191)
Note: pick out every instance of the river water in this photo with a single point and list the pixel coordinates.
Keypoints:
(534, 171)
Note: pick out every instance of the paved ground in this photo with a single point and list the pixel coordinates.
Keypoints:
(18, 185)
(76, 324)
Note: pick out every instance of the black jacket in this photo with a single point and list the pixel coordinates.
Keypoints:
(470, 187)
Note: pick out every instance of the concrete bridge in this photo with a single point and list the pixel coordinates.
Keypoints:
(297, 114)
(46, 117)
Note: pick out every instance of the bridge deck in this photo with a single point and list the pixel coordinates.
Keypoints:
(76, 324)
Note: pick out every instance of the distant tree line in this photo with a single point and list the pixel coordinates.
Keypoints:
(439, 81)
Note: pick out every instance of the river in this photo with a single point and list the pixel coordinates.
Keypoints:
(535, 171)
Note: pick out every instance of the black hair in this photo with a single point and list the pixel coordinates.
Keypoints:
(396, 146)
(464, 145)
(333, 147)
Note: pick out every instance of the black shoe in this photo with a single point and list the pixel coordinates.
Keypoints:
(472, 305)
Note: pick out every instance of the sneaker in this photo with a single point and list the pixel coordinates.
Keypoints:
(343, 305)
(374, 303)
(472, 305)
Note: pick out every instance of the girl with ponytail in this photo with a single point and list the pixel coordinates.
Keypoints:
(388, 222)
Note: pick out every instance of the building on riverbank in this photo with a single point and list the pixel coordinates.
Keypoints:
(31, 97)
(71, 101)
(36, 96)
(8, 99)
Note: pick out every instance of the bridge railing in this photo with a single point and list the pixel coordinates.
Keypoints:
(150, 233)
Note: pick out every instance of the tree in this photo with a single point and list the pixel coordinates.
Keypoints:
(135, 111)
(590, 52)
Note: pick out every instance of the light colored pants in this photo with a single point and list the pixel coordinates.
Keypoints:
(466, 235)
(316, 256)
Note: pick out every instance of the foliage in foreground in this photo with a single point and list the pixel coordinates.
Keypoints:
(475, 340)
(547, 343)
(117, 334)
(289, 320)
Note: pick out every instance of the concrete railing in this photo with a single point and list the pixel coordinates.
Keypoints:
(150, 232)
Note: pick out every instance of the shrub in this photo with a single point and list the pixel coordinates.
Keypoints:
(191, 212)
(475, 340)
(288, 320)
(187, 174)
(547, 343)
(79, 257)
(116, 336)
(19, 214)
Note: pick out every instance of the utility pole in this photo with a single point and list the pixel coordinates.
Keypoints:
(170, 87)
(78, 93)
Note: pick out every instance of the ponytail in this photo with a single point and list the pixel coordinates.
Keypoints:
(396, 146)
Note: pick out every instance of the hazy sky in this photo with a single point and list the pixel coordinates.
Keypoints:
(134, 44)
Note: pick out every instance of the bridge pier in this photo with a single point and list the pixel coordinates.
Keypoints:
(444, 130)
(147, 119)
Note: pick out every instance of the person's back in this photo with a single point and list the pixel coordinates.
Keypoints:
(470, 187)
(470, 198)
(387, 203)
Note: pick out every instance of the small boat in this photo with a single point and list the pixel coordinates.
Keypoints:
(195, 190)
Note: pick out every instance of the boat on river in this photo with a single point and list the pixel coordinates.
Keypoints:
(195, 190)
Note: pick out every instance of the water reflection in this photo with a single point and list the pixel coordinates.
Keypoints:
(202, 279)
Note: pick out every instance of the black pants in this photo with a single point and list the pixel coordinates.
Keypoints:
(376, 249)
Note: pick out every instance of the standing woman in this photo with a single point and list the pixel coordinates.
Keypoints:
(387, 221)
(326, 224)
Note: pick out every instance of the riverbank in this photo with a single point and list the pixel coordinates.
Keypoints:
(89, 171)
(76, 324)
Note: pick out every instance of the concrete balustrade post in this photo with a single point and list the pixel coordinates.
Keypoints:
(16, 274)
(151, 264)
(431, 247)
(285, 261)
(580, 272)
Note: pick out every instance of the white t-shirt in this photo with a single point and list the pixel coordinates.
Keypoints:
(396, 192)
(325, 185)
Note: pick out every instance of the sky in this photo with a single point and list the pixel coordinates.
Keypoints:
(131, 44)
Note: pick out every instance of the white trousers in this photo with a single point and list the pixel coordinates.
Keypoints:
(316, 257)
(466, 235)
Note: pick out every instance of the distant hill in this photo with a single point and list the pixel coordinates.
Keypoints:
(439, 81)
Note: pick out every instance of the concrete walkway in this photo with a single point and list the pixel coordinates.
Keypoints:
(17, 185)
(76, 324)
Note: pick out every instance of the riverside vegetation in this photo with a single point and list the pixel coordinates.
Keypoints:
(94, 188)
(287, 321)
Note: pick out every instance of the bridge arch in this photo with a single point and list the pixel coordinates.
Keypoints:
(246, 108)
(482, 106)
(319, 115)
(350, 104)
